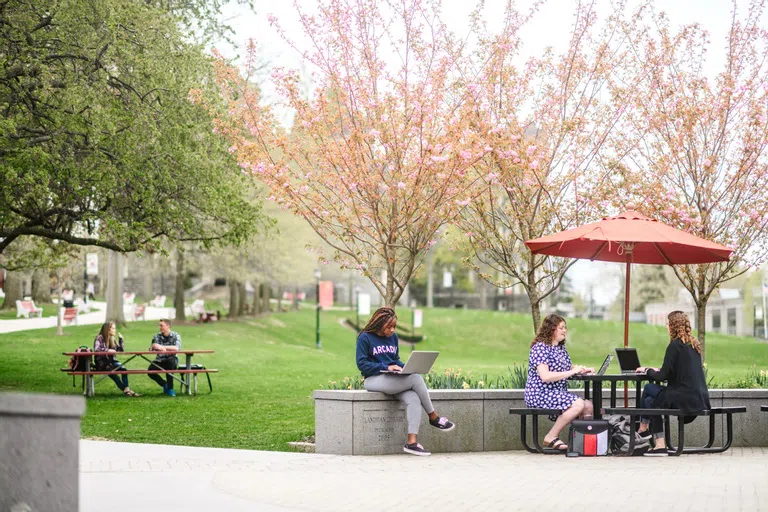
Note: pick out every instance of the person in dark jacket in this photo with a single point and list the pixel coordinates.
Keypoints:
(686, 387)
(377, 351)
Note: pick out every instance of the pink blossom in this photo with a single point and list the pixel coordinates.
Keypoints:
(440, 159)
(465, 202)
(535, 164)
(465, 154)
(400, 185)
(707, 162)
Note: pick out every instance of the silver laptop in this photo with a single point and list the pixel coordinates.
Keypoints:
(419, 362)
(628, 360)
(606, 364)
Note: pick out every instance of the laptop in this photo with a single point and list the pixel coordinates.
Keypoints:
(606, 364)
(628, 360)
(420, 362)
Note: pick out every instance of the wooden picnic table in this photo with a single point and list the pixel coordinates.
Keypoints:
(187, 372)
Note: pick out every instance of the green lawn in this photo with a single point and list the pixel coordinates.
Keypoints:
(269, 367)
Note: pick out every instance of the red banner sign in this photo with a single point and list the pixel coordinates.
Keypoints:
(326, 294)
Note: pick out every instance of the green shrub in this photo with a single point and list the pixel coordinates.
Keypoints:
(452, 378)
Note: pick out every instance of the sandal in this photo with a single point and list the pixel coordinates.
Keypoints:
(131, 392)
(557, 444)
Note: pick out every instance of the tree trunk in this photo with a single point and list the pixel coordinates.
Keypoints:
(430, 279)
(256, 302)
(242, 297)
(533, 296)
(147, 291)
(178, 292)
(279, 298)
(115, 264)
(41, 286)
(296, 299)
(12, 289)
(483, 294)
(536, 314)
(59, 310)
(701, 324)
(267, 297)
(233, 298)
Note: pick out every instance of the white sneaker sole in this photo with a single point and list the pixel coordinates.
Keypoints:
(414, 452)
(447, 429)
(649, 454)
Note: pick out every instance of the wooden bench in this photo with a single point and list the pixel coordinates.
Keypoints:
(534, 414)
(69, 315)
(27, 308)
(634, 412)
(181, 369)
(190, 370)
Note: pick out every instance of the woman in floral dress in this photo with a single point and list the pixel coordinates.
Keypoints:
(549, 367)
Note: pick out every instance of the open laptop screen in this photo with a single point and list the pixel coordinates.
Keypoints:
(628, 360)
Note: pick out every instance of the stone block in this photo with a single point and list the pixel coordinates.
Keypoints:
(39, 451)
(334, 424)
(750, 428)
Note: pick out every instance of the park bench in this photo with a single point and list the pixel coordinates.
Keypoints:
(764, 408)
(534, 413)
(138, 311)
(69, 315)
(188, 370)
(27, 308)
(635, 412)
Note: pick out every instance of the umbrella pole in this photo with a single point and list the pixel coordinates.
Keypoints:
(626, 321)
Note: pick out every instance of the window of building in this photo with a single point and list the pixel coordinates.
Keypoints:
(716, 320)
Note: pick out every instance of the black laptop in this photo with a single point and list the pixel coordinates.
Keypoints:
(628, 360)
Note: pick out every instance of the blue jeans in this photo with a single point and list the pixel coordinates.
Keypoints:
(120, 380)
(650, 393)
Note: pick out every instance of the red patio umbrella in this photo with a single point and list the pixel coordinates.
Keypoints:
(630, 237)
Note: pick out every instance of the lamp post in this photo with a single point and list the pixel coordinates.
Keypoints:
(318, 275)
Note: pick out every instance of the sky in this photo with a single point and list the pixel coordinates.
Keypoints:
(550, 28)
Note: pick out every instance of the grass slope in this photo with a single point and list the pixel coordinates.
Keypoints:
(269, 367)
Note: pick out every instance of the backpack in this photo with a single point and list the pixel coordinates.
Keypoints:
(620, 427)
(77, 363)
(589, 438)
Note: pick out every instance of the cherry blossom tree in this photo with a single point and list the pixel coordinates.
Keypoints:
(550, 121)
(699, 144)
(379, 155)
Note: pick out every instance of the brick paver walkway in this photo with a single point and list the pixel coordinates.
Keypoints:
(156, 477)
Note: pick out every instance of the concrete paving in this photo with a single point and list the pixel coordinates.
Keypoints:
(131, 477)
(95, 317)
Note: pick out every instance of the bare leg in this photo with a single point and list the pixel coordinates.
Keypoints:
(568, 415)
(588, 411)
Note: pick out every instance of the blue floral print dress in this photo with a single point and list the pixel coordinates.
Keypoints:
(548, 395)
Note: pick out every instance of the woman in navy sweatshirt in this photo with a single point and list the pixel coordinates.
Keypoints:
(377, 351)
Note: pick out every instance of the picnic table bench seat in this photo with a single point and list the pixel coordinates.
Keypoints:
(534, 413)
(635, 412)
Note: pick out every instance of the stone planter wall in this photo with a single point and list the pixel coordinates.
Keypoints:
(39, 451)
(363, 423)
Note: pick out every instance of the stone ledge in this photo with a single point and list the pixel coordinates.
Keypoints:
(356, 422)
(30, 404)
